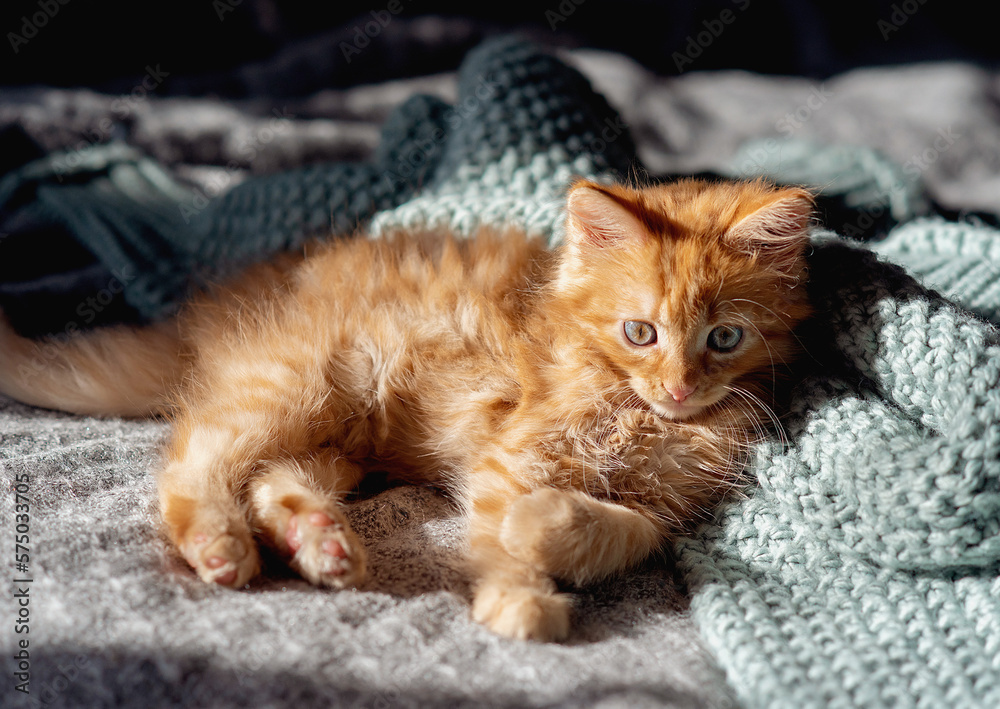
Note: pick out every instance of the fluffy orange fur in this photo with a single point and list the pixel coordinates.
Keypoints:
(582, 405)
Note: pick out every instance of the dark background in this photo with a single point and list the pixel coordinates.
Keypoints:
(233, 47)
(273, 49)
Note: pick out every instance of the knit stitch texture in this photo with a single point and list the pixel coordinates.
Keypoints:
(862, 571)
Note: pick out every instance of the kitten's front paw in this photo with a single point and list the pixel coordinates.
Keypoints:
(325, 551)
(522, 612)
(221, 556)
(537, 528)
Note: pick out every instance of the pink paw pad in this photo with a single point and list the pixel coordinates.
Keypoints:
(334, 548)
(317, 519)
(215, 562)
(323, 549)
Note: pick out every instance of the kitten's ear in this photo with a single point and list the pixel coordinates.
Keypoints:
(595, 218)
(779, 230)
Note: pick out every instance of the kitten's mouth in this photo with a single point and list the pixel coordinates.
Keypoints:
(677, 410)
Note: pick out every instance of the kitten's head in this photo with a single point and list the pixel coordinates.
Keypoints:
(686, 290)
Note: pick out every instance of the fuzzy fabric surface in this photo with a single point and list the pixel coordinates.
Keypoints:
(861, 570)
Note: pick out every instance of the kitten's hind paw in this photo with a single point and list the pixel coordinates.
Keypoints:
(325, 551)
(522, 612)
(223, 558)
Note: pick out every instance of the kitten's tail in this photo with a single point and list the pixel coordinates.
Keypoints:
(115, 371)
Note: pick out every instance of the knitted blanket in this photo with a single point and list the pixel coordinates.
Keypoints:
(861, 569)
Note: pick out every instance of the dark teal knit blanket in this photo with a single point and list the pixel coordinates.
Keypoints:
(523, 125)
(863, 568)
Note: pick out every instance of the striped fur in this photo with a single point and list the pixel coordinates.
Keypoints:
(491, 366)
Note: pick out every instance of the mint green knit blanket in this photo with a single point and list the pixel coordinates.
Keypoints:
(863, 569)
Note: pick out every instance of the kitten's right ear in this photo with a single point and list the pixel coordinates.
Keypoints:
(778, 231)
(595, 218)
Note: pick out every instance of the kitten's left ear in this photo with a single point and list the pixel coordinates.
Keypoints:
(778, 231)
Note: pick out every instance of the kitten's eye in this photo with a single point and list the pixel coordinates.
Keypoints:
(640, 333)
(725, 338)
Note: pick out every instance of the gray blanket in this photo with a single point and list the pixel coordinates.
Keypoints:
(117, 620)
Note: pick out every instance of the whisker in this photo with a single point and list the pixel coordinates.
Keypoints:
(782, 320)
(758, 404)
(770, 352)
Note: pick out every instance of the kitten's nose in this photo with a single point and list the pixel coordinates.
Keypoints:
(680, 393)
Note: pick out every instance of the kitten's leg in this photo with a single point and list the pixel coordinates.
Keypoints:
(260, 392)
(203, 512)
(220, 444)
(296, 510)
(511, 597)
(575, 537)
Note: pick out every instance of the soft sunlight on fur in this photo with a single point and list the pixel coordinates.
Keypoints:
(582, 405)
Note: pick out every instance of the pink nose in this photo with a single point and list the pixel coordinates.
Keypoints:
(680, 393)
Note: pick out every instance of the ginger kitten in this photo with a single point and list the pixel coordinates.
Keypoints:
(582, 405)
